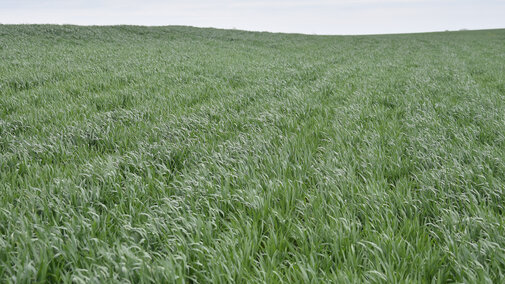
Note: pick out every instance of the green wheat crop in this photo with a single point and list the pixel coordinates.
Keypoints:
(178, 154)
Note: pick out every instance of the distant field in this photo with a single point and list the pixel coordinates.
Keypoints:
(177, 154)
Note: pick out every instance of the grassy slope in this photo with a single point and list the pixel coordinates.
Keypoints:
(171, 153)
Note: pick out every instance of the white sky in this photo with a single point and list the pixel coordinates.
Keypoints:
(295, 16)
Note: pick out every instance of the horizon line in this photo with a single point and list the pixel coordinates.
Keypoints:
(252, 31)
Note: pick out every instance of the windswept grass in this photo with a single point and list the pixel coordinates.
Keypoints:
(176, 154)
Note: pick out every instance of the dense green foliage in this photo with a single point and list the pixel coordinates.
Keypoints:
(199, 155)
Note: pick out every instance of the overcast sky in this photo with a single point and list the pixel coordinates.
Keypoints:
(295, 16)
